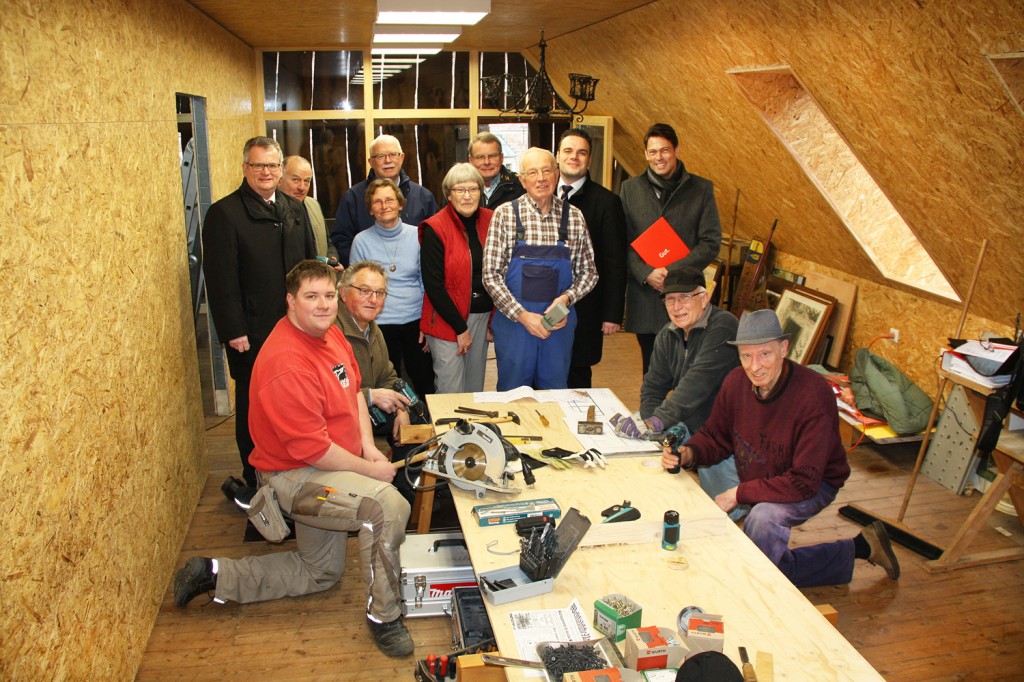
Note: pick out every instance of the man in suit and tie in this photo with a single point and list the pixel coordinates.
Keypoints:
(599, 312)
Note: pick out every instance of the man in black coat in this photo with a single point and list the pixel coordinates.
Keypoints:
(251, 239)
(599, 312)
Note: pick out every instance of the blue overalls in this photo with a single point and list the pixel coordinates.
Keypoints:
(536, 275)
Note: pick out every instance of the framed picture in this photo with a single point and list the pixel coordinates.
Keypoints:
(711, 277)
(803, 314)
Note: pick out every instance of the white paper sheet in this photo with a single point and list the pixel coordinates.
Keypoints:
(554, 625)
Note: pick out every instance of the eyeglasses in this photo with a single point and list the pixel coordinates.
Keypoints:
(465, 191)
(679, 299)
(486, 157)
(366, 292)
(655, 153)
(260, 167)
(387, 156)
(535, 173)
(390, 201)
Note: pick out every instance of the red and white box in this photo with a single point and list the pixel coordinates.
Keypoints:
(652, 647)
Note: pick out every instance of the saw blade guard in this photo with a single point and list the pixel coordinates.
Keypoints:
(473, 458)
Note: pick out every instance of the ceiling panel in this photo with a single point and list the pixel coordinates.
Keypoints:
(511, 26)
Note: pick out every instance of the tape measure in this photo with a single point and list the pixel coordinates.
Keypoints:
(683, 621)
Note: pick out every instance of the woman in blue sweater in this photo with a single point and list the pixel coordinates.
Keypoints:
(396, 246)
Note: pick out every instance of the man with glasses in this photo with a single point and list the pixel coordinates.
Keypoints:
(251, 239)
(500, 184)
(537, 255)
(353, 217)
(690, 360)
(665, 190)
(364, 288)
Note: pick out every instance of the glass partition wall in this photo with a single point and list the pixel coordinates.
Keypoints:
(327, 106)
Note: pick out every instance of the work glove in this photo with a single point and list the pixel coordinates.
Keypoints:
(632, 426)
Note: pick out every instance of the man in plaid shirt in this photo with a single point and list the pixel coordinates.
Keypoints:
(538, 254)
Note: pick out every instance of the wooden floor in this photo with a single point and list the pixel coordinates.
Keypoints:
(964, 625)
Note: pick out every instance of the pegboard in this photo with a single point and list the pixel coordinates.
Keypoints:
(951, 459)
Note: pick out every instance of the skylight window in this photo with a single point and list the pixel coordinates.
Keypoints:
(1010, 69)
(795, 117)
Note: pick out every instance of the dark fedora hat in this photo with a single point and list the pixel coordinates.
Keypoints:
(758, 326)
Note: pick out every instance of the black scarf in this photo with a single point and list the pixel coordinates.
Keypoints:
(663, 187)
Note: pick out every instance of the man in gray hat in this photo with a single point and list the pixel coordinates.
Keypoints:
(780, 420)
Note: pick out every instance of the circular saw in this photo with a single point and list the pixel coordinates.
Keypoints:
(473, 457)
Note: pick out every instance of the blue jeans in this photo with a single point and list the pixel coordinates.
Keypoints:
(768, 525)
(719, 478)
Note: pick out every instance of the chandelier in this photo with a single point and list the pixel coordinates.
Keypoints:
(535, 97)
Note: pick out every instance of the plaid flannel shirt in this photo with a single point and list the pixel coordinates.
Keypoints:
(539, 230)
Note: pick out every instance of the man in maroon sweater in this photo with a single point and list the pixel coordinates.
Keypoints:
(780, 420)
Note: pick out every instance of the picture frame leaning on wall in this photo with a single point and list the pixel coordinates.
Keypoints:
(804, 314)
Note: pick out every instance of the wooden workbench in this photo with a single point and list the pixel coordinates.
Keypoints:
(726, 574)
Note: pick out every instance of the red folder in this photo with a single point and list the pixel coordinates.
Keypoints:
(659, 245)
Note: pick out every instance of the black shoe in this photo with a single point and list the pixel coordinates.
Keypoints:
(238, 492)
(391, 638)
(881, 549)
(192, 579)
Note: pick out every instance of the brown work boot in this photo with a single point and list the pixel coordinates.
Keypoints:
(882, 555)
(391, 638)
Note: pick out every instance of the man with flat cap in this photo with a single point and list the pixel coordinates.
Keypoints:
(689, 361)
(780, 420)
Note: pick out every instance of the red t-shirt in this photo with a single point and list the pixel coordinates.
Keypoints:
(303, 397)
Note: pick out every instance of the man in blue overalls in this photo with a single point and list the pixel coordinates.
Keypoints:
(538, 254)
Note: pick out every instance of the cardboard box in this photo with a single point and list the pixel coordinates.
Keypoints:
(471, 668)
(610, 622)
(706, 632)
(653, 647)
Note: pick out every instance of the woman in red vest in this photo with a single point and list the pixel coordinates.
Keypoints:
(456, 308)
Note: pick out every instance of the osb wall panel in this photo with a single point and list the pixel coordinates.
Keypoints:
(906, 84)
(925, 326)
(103, 448)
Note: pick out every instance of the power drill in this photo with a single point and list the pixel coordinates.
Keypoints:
(417, 408)
(670, 440)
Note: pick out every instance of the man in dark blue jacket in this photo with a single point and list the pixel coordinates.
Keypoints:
(353, 216)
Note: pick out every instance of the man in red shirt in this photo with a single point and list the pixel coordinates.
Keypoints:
(780, 419)
(314, 447)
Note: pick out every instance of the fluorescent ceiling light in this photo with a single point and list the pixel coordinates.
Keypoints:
(415, 34)
(397, 60)
(406, 49)
(432, 12)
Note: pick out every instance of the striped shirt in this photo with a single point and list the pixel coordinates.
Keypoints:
(539, 230)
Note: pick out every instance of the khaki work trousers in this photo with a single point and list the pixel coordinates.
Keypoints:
(325, 506)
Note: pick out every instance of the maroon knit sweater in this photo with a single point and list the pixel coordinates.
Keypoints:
(785, 446)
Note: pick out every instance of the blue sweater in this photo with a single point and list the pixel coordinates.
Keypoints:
(399, 246)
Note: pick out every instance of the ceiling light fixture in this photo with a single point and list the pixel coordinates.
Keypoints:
(406, 49)
(415, 34)
(535, 97)
(432, 12)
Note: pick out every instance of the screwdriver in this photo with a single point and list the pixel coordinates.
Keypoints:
(748, 669)
(543, 419)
